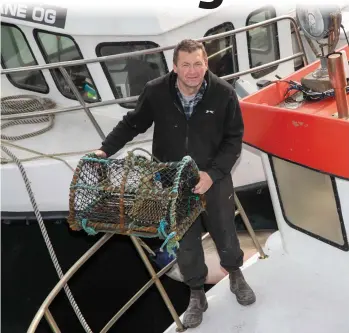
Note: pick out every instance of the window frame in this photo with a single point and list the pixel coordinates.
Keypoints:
(13, 82)
(235, 56)
(105, 67)
(270, 9)
(36, 32)
(345, 246)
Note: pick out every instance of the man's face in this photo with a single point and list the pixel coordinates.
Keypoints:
(191, 68)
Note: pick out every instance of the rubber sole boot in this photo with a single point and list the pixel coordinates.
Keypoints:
(197, 306)
(238, 286)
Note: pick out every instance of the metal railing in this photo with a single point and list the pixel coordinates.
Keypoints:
(163, 48)
(61, 66)
(155, 277)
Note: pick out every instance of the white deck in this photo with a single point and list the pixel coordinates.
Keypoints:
(311, 302)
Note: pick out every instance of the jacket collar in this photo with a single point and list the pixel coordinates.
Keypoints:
(172, 78)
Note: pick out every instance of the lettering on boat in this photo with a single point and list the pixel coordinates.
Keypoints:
(42, 14)
(210, 4)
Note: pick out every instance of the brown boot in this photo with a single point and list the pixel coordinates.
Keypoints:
(197, 305)
(238, 286)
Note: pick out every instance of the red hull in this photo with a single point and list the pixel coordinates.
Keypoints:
(309, 135)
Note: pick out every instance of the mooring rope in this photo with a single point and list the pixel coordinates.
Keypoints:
(47, 239)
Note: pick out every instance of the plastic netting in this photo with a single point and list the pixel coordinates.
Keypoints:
(135, 196)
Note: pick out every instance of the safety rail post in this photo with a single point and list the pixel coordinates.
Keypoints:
(180, 327)
(249, 228)
(63, 281)
(81, 101)
(51, 321)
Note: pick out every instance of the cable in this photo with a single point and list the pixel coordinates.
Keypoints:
(308, 94)
(342, 26)
(47, 239)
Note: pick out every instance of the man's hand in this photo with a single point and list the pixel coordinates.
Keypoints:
(204, 183)
(100, 153)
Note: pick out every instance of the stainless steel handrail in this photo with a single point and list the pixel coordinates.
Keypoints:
(44, 306)
(164, 48)
(261, 67)
(135, 98)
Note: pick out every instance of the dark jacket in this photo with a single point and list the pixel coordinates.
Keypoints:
(212, 136)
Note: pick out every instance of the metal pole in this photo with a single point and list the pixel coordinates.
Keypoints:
(180, 327)
(261, 67)
(141, 292)
(52, 322)
(249, 227)
(161, 49)
(81, 100)
(62, 282)
(299, 40)
(135, 98)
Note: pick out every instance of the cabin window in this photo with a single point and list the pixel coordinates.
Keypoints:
(309, 202)
(263, 43)
(57, 48)
(222, 53)
(128, 76)
(16, 52)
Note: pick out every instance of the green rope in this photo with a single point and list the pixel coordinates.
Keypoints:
(170, 244)
(183, 163)
(90, 231)
(99, 160)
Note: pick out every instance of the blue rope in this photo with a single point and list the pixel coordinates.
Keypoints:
(139, 234)
(170, 236)
(93, 159)
(169, 245)
(89, 230)
(161, 229)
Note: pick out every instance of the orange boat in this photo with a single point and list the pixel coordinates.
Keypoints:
(311, 135)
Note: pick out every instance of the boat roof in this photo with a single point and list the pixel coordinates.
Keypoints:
(133, 18)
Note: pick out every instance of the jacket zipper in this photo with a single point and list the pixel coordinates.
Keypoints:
(187, 128)
(187, 140)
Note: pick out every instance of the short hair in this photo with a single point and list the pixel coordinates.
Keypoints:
(188, 45)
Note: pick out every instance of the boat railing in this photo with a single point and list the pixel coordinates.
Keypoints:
(62, 67)
(155, 277)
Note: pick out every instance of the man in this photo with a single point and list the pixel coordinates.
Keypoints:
(198, 114)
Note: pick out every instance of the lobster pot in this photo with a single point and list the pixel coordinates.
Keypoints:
(134, 196)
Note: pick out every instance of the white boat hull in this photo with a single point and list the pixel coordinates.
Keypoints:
(50, 178)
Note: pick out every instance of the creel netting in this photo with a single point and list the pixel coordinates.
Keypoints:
(135, 196)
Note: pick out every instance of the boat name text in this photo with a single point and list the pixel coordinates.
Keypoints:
(210, 4)
(48, 15)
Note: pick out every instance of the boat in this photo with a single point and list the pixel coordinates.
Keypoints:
(103, 119)
(55, 144)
